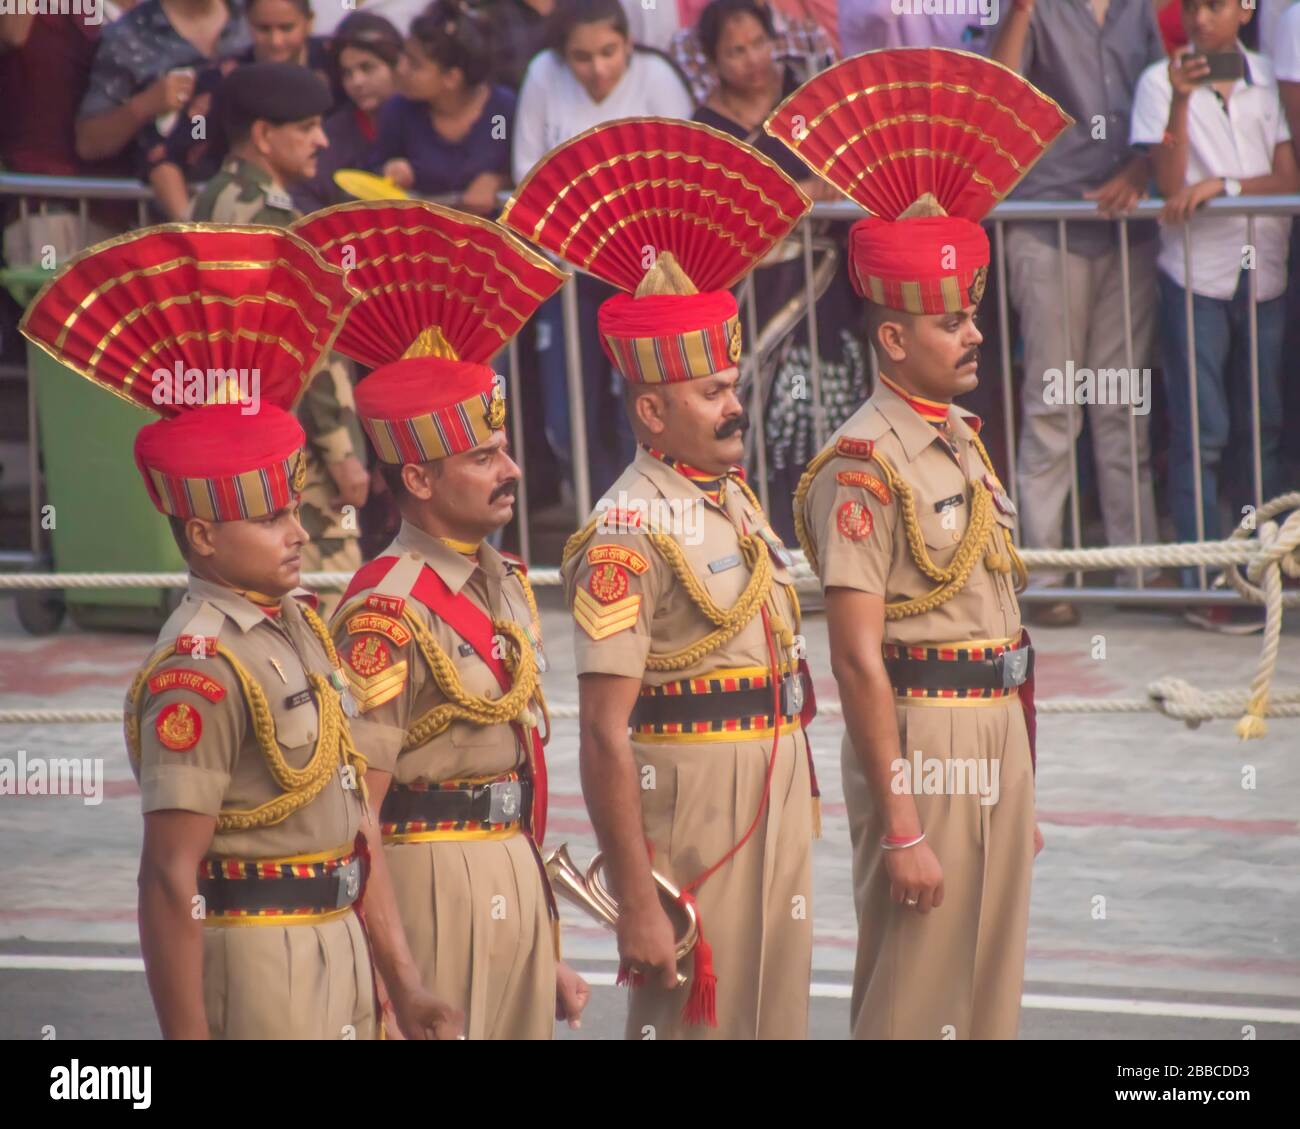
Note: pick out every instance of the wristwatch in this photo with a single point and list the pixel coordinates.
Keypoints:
(1231, 186)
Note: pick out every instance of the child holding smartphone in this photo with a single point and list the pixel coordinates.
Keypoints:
(1215, 127)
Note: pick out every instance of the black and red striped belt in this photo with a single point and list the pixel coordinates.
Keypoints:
(296, 890)
(427, 811)
(733, 704)
(980, 669)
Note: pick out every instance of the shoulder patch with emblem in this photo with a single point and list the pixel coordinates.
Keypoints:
(855, 448)
(385, 605)
(178, 727)
(196, 646)
(608, 583)
(178, 678)
(619, 555)
(381, 625)
(854, 520)
(866, 481)
(371, 672)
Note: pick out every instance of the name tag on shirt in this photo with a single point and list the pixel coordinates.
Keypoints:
(278, 198)
(299, 699)
(955, 500)
(724, 563)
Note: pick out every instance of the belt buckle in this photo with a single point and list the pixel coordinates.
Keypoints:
(505, 801)
(792, 694)
(1015, 667)
(349, 878)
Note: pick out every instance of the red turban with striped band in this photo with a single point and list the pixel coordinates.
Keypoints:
(927, 140)
(672, 213)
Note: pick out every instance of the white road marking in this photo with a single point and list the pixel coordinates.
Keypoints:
(55, 962)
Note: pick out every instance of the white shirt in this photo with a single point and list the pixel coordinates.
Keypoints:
(1238, 143)
(554, 107)
(328, 14)
(652, 24)
(1286, 44)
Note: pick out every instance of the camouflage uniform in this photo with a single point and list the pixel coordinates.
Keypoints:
(328, 415)
(243, 193)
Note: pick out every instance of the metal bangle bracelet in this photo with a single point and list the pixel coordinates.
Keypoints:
(885, 846)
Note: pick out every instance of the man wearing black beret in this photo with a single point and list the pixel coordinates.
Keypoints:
(271, 113)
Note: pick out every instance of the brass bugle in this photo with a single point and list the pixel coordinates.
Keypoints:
(590, 893)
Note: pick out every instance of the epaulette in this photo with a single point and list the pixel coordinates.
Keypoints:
(855, 448)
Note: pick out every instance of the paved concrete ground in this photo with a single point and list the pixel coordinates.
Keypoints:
(1199, 875)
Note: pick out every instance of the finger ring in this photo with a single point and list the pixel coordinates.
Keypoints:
(912, 901)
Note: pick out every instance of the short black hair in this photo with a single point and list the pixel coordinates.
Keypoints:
(303, 6)
(177, 526)
(452, 35)
(568, 14)
(366, 31)
(714, 18)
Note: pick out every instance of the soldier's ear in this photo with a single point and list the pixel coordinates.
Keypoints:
(198, 536)
(259, 136)
(892, 335)
(649, 407)
(418, 478)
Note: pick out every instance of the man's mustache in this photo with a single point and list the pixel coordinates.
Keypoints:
(511, 488)
(972, 355)
(737, 424)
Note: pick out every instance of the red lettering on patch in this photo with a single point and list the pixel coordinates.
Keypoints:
(179, 678)
(196, 646)
(855, 448)
(617, 554)
(389, 605)
(866, 481)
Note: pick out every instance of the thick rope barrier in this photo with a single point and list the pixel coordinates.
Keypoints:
(1176, 699)
(1272, 553)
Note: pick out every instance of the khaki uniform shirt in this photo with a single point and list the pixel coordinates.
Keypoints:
(392, 682)
(860, 539)
(198, 750)
(628, 601)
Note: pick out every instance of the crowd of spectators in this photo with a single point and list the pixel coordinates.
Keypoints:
(455, 101)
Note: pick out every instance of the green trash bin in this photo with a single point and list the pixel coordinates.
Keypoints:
(102, 519)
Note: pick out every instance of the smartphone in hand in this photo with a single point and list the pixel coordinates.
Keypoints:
(1224, 66)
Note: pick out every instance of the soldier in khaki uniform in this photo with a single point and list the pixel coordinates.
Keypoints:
(910, 532)
(271, 113)
(440, 635)
(691, 689)
(253, 875)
